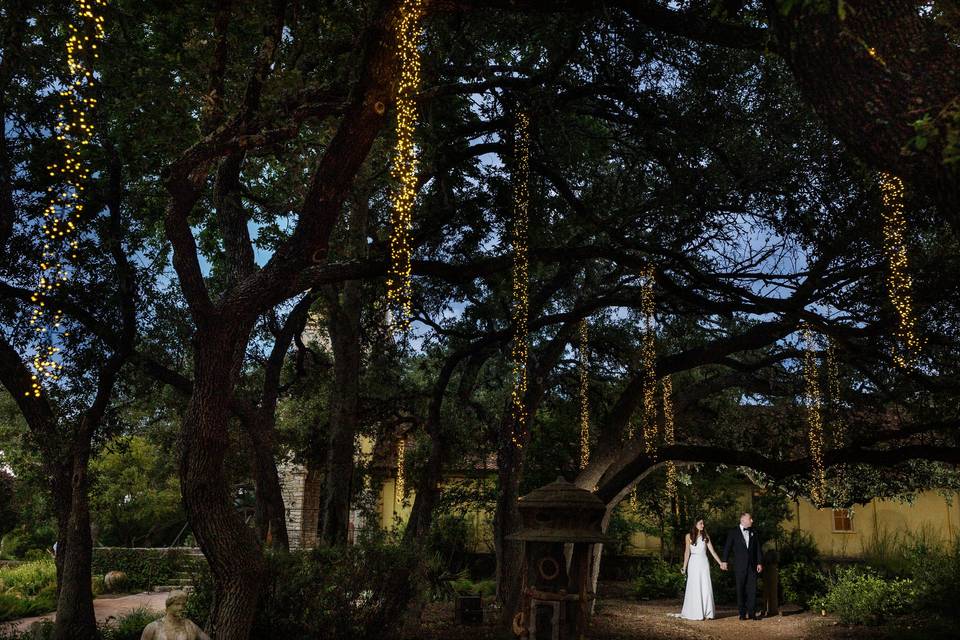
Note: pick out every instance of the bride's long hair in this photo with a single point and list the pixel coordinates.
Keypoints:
(694, 534)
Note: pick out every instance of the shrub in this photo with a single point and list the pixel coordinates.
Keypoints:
(860, 596)
(29, 578)
(349, 593)
(448, 538)
(936, 576)
(144, 568)
(466, 586)
(801, 582)
(659, 579)
(129, 626)
(797, 547)
(886, 552)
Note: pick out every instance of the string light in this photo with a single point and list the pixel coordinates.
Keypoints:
(584, 399)
(899, 283)
(648, 357)
(837, 423)
(401, 475)
(520, 311)
(668, 433)
(74, 131)
(404, 167)
(814, 420)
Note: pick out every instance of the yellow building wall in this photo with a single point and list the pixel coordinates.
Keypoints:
(394, 512)
(930, 514)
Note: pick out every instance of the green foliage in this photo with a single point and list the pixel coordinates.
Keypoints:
(28, 579)
(28, 589)
(797, 547)
(659, 579)
(802, 582)
(135, 496)
(448, 539)
(349, 593)
(466, 586)
(860, 596)
(145, 568)
(129, 626)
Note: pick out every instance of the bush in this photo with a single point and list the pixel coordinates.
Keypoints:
(448, 538)
(801, 583)
(466, 586)
(349, 593)
(797, 547)
(144, 568)
(659, 579)
(29, 578)
(860, 596)
(129, 626)
(936, 575)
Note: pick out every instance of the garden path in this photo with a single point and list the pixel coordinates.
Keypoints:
(107, 607)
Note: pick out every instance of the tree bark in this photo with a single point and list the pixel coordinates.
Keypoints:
(343, 324)
(870, 72)
(229, 546)
(269, 510)
(344, 404)
(75, 619)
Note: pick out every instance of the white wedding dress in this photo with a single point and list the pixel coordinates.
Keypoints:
(698, 599)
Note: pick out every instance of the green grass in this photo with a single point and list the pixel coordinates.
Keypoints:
(29, 578)
(29, 589)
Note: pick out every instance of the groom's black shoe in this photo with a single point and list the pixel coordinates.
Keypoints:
(743, 617)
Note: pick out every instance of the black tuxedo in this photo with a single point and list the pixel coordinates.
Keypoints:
(745, 561)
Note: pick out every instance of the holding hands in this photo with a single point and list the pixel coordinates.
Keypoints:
(723, 566)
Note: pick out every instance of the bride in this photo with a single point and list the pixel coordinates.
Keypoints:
(698, 598)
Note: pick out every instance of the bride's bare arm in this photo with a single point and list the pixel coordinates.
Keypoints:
(714, 553)
(686, 553)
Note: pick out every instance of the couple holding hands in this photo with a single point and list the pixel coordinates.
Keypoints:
(745, 546)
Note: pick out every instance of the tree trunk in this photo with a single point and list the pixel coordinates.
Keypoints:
(343, 324)
(269, 511)
(506, 521)
(75, 619)
(230, 547)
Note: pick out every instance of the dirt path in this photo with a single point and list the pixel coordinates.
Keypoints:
(624, 618)
(106, 607)
(621, 619)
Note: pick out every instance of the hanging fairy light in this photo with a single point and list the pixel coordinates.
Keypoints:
(520, 311)
(401, 472)
(648, 357)
(584, 399)
(837, 423)
(668, 433)
(404, 167)
(818, 479)
(74, 131)
(899, 283)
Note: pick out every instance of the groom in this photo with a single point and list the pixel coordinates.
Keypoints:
(746, 560)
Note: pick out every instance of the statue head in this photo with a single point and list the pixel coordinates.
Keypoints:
(176, 601)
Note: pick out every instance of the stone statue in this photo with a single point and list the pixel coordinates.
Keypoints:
(173, 626)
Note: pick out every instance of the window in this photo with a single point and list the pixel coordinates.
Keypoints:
(841, 520)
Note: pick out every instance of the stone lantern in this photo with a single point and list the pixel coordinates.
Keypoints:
(559, 524)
